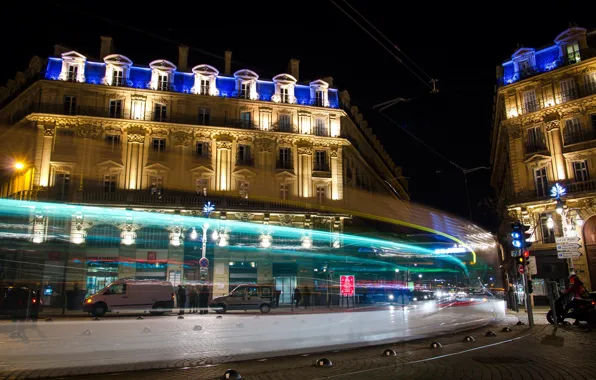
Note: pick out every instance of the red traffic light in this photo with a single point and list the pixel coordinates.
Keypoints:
(526, 253)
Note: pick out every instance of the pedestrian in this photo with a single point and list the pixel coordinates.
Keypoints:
(193, 296)
(511, 297)
(297, 296)
(181, 299)
(277, 295)
(307, 295)
(204, 300)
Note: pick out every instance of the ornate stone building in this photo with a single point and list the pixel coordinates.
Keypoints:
(543, 135)
(162, 138)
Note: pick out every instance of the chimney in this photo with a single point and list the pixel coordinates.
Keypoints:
(228, 63)
(294, 68)
(182, 58)
(329, 80)
(59, 49)
(106, 47)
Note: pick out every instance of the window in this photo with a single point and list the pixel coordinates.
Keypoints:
(548, 234)
(580, 169)
(245, 120)
(530, 102)
(116, 108)
(284, 123)
(162, 82)
(73, 71)
(284, 95)
(160, 112)
(573, 131)
(593, 118)
(155, 185)
(205, 83)
(320, 127)
(524, 65)
(535, 140)
(285, 158)
(61, 182)
(116, 289)
(541, 182)
(70, 105)
(243, 188)
(321, 161)
(109, 183)
(321, 193)
(319, 98)
(201, 186)
(203, 149)
(159, 145)
(573, 53)
(204, 116)
(284, 191)
(113, 142)
(243, 155)
(568, 90)
(245, 90)
(117, 79)
(590, 84)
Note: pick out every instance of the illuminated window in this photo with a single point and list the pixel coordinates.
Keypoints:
(285, 123)
(548, 234)
(243, 188)
(284, 95)
(320, 127)
(541, 182)
(116, 108)
(530, 103)
(205, 85)
(321, 161)
(202, 184)
(73, 71)
(160, 112)
(245, 90)
(285, 158)
(70, 105)
(117, 77)
(320, 98)
(580, 169)
(204, 116)
(321, 193)
(163, 82)
(110, 183)
(573, 54)
(284, 191)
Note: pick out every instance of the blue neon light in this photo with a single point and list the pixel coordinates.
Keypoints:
(53, 68)
(94, 72)
(140, 76)
(226, 86)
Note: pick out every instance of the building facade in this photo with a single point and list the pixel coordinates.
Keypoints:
(544, 153)
(162, 138)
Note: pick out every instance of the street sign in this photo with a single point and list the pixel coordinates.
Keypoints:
(346, 285)
(532, 269)
(521, 269)
(516, 253)
(567, 239)
(568, 255)
(204, 262)
(569, 247)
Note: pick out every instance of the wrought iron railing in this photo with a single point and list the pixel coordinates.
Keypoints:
(573, 188)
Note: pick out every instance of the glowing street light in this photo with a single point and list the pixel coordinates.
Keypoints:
(419, 276)
(19, 165)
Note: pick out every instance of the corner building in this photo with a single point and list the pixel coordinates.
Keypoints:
(543, 135)
(166, 139)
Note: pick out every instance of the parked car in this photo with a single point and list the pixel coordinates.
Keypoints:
(156, 297)
(20, 302)
(246, 297)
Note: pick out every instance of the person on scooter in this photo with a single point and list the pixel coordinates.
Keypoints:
(578, 291)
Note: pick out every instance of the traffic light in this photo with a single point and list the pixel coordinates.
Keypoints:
(530, 289)
(516, 235)
(527, 236)
(526, 258)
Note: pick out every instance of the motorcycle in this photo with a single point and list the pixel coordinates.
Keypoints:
(584, 310)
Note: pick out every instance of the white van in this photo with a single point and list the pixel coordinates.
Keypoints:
(154, 296)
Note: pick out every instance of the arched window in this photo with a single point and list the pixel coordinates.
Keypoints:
(153, 237)
(104, 236)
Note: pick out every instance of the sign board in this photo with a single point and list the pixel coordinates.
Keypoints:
(532, 269)
(151, 256)
(568, 255)
(346, 285)
(204, 271)
(516, 253)
(568, 247)
(567, 239)
(521, 269)
(204, 262)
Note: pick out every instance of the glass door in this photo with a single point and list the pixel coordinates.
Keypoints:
(286, 285)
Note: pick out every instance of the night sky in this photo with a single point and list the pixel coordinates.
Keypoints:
(459, 47)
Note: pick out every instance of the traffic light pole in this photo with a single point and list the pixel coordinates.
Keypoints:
(526, 277)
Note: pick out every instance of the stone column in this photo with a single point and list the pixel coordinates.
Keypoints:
(223, 166)
(335, 173)
(518, 167)
(559, 168)
(133, 168)
(45, 155)
(304, 171)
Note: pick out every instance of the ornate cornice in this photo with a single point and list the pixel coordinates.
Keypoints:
(135, 138)
(264, 145)
(305, 150)
(181, 138)
(224, 145)
(49, 131)
(88, 131)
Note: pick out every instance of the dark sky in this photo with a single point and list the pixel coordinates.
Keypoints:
(460, 47)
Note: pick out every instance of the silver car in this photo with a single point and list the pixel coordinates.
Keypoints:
(246, 297)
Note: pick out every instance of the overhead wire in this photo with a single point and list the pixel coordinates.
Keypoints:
(382, 45)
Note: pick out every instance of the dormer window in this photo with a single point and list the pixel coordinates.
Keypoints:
(246, 84)
(117, 70)
(73, 67)
(284, 89)
(205, 77)
(162, 75)
(319, 93)
(573, 55)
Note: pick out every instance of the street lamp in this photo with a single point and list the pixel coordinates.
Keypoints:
(19, 165)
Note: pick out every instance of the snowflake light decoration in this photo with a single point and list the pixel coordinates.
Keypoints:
(208, 208)
(557, 191)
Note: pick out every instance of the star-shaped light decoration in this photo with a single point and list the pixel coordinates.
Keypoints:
(208, 208)
(557, 191)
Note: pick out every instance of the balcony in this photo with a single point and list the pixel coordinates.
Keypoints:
(284, 165)
(245, 161)
(535, 146)
(321, 166)
(288, 128)
(577, 135)
(573, 189)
